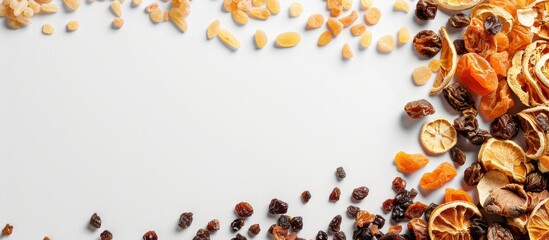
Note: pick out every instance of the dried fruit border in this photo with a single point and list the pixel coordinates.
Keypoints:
(502, 57)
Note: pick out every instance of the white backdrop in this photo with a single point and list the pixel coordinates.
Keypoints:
(144, 123)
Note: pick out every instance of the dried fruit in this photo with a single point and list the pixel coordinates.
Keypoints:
(95, 221)
(335, 194)
(284, 221)
(150, 235)
(415, 210)
(349, 19)
(438, 136)
(278, 206)
(254, 229)
(156, 15)
(509, 201)
(279, 233)
(399, 184)
(386, 44)
(237, 224)
(401, 5)
(459, 20)
(116, 9)
(296, 8)
(452, 220)
(473, 174)
(346, 51)
(315, 21)
(421, 75)
(388, 205)
(500, 63)
(185, 220)
(364, 218)
(118, 23)
(403, 35)
(458, 156)
(535, 182)
(213, 29)
(477, 74)
(417, 227)
(457, 5)
(335, 224)
(498, 232)
(504, 127)
(47, 29)
(366, 39)
(213, 225)
(419, 108)
(106, 235)
(505, 156)
(305, 196)
(296, 223)
(7, 230)
(352, 211)
(273, 6)
(409, 163)
(358, 29)
(458, 97)
(228, 38)
(491, 181)
(372, 16)
(325, 38)
(427, 43)
(459, 45)
(493, 25)
(72, 25)
(244, 209)
(478, 40)
(502, 42)
(442, 174)
(340, 236)
(72, 4)
(448, 63)
(240, 16)
(538, 227)
(202, 234)
(321, 235)
(360, 193)
(426, 10)
(451, 194)
(335, 26)
(239, 237)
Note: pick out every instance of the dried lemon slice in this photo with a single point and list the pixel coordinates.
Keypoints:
(456, 5)
(538, 224)
(505, 156)
(448, 63)
(438, 136)
(452, 220)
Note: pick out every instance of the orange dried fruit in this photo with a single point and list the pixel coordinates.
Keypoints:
(240, 16)
(409, 163)
(500, 63)
(434, 65)
(372, 16)
(315, 21)
(401, 5)
(403, 35)
(453, 220)
(325, 38)
(335, 26)
(519, 38)
(273, 6)
(421, 75)
(366, 39)
(478, 40)
(538, 224)
(443, 174)
(506, 157)
(497, 103)
(358, 29)
(448, 63)
(296, 8)
(288, 39)
(451, 194)
(228, 38)
(438, 136)
(259, 13)
(213, 28)
(461, 5)
(502, 42)
(349, 19)
(477, 74)
(346, 51)
(260, 38)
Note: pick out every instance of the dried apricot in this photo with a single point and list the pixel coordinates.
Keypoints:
(500, 63)
(477, 40)
(519, 38)
(502, 42)
(477, 74)
(443, 174)
(451, 194)
(409, 163)
(358, 29)
(497, 103)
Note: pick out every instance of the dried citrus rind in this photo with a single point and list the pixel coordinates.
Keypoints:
(534, 136)
(438, 136)
(484, 10)
(540, 22)
(528, 76)
(448, 63)
(457, 5)
(491, 181)
(452, 220)
(538, 224)
(506, 157)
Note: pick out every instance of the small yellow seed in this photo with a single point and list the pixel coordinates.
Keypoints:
(118, 23)
(325, 38)
(358, 29)
(136, 2)
(365, 4)
(372, 16)
(72, 4)
(116, 9)
(212, 30)
(156, 15)
(47, 29)
(72, 25)
(434, 65)
(240, 16)
(403, 35)
(335, 26)
(228, 38)
(421, 75)
(259, 13)
(288, 39)
(346, 52)
(315, 21)
(260, 39)
(366, 39)
(401, 5)
(386, 44)
(273, 6)
(258, 3)
(296, 8)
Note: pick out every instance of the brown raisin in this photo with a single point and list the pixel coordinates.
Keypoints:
(504, 127)
(457, 155)
(427, 43)
(535, 182)
(279, 232)
(419, 108)
(237, 224)
(430, 209)
(399, 184)
(418, 229)
(543, 121)
(284, 221)
(379, 221)
(278, 206)
(321, 235)
(296, 223)
(493, 25)
(459, 45)
(426, 10)
(150, 235)
(478, 137)
(498, 232)
(95, 221)
(105, 235)
(334, 196)
(305, 196)
(254, 229)
(352, 211)
(185, 220)
(388, 205)
(458, 97)
(213, 225)
(415, 210)
(202, 234)
(473, 174)
(244, 209)
(335, 224)
(48, 238)
(239, 237)
(360, 193)
(459, 20)
(340, 236)
(8, 230)
(465, 124)
(340, 173)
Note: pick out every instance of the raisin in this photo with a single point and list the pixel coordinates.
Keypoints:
(419, 108)
(271, 228)
(254, 229)
(335, 224)
(321, 235)
(105, 235)
(426, 10)
(415, 210)
(466, 124)
(498, 232)
(473, 174)
(395, 228)
(504, 127)
(296, 223)
(239, 237)
(305, 196)
(48, 238)
(185, 220)
(340, 173)
(493, 25)
(457, 155)
(458, 97)
(459, 45)
(418, 228)
(397, 214)
(364, 218)
(391, 236)
(430, 209)
(279, 232)
(95, 221)
(202, 234)
(459, 20)
(379, 221)
(535, 182)
(244, 209)
(334, 196)
(352, 211)
(388, 205)
(478, 228)
(213, 225)
(478, 137)
(360, 193)
(278, 206)
(543, 121)
(399, 184)
(427, 43)
(363, 233)
(150, 235)
(374, 229)
(8, 230)
(237, 224)
(284, 221)
(340, 236)
(404, 196)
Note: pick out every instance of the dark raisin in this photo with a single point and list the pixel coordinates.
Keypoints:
(459, 20)
(363, 233)
(296, 223)
(399, 184)
(305, 196)
(478, 228)
(417, 227)
(335, 224)
(493, 25)
(8, 230)
(473, 174)
(391, 236)
(48, 238)
(543, 121)
(459, 45)
(239, 237)
(404, 196)
(379, 221)
(271, 228)
(321, 235)
(213, 225)
(105, 235)
(498, 232)
(466, 124)
(388, 205)
(397, 214)
(504, 127)
(478, 137)
(254, 229)
(427, 43)
(334, 196)
(278, 206)
(340, 173)
(419, 108)
(458, 97)
(244, 209)
(185, 220)
(284, 221)
(427, 213)
(340, 236)
(352, 211)
(150, 235)
(237, 224)
(95, 221)
(457, 155)
(426, 10)
(415, 210)
(535, 182)
(360, 193)
(202, 234)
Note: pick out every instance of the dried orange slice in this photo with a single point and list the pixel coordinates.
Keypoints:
(452, 220)
(506, 157)
(538, 225)
(438, 136)
(448, 63)
(457, 5)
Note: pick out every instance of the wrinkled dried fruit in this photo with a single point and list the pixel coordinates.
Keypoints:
(296, 8)
(105, 235)
(426, 10)
(150, 235)
(228, 38)
(213, 225)
(260, 38)
(47, 29)
(504, 127)
(364, 218)
(477, 74)
(458, 156)
(7, 230)
(493, 25)
(202, 234)
(352, 211)
(509, 201)
(497, 103)
(305, 196)
(443, 174)
(535, 182)
(185, 220)
(409, 163)
(438, 136)
(415, 210)
(335, 224)
(459, 45)
(500, 62)
(95, 221)
(237, 224)
(419, 108)
(498, 232)
(278, 206)
(335, 195)
(477, 40)
(399, 184)
(284, 221)
(451, 194)
(459, 20)
(244, 209)
(427, 43)
(417, 227)
(473, 174)
(315, 21)
(458, 97)
(360, 193)
(254, 229)
(340, 236)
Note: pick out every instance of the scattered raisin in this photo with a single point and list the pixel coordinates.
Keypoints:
(321, 235)
(305, 196)
(458, 97)
(95, 221)
(459, 20)
(213, 225)
(340, 173)
(459, 45)
(360, 193)
(352, 211)
(426, 10)
(296, 223)
(106, 235)
(418, 228)
(430, 209)
(185, 220)
(202, 234)
(498, 232)
(473, 174)
(535, 182)
(284, 221)
(493, 25)
(48, 238)
(364, 218)
(363, 233)
(427, 43)
(271, 228)
(334, 196)
(466, 124)
(397, 214)
(237, 224)
(543, 121)
(405, 196)
(379, 221)
(457, 155)
(335, 224)
(391, 236)
(388, 205)
(415, 210)
(478, 137)
(399, 184)
(395, 228)
(504, 127)
(239, 237)
(8, 230)
(279, 232)
(340, 236)
(254, 229)
(278, 206)
(478, 228)
(244, 209)
(150, 235)
(419, 108)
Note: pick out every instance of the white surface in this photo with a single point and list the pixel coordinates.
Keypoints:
(144, 123)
